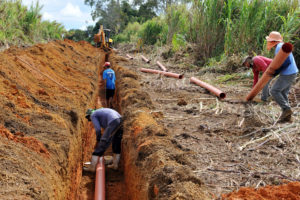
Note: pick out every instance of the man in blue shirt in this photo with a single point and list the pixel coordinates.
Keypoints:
(287, 74)
(109, 79)
(111, 121)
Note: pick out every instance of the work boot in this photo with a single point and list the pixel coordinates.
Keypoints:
(115, 163)
(108, 160)
(285, 116)
(92, 166)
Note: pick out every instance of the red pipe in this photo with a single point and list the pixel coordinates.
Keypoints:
(278, 60)
(212, 89)
(100, 180)
(161, 66)
(170, 74)
(145, 59)
(129, 56)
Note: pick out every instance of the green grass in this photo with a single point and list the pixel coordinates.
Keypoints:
(22, 25)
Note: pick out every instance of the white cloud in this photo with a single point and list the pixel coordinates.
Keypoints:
(71, 11)
(48, 16)
(73, 14)
(83, 28)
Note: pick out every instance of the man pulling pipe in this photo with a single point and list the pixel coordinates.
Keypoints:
(259, 64)
(111, 121)
(287, 74)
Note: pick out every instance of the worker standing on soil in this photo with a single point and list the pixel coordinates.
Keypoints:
(111, 121)
(287, 74)
(259, 64)
(109, 79)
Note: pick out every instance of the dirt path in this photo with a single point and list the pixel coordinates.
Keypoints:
(212, 132)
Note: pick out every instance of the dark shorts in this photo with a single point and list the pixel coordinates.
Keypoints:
(110, 93)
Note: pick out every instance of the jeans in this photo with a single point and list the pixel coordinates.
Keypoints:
(113, 133)
(281, 88)
(265, 92)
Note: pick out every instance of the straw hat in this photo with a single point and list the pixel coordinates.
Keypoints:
(274, 36)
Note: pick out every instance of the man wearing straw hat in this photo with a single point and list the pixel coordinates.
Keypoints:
(287, 74)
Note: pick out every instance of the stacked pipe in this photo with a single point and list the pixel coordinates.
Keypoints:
(278, 60)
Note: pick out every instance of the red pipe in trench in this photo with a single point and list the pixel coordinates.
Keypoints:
(170, 74)
(100, 180)
(212, 89)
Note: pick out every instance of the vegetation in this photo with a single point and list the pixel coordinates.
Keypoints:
(20, 25)
(217, 27)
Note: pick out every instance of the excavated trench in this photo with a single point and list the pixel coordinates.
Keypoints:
(45, 91)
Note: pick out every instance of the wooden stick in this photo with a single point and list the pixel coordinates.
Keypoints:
(266, 136)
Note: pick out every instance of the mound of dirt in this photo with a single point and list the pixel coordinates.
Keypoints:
(45, 90)
(289, 191)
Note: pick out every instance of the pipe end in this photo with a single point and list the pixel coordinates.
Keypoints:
(181, 76)
(222, 95)
(287, 47)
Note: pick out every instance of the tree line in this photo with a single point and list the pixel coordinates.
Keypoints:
(218, 28)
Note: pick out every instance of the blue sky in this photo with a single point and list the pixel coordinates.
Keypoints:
(73, 14)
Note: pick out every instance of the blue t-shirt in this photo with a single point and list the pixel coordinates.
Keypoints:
(289, 66)
(110, 77)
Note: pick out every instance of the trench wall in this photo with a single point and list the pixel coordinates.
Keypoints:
(153, 167)
(44, 93)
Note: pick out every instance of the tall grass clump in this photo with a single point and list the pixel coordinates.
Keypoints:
(221, 28)
(231, 26)
(130, 33)
(20, 25)
(152, 31)
(178, 20)
(254, 21)
(208, 29)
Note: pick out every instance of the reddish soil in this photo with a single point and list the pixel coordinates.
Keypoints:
(45, 90)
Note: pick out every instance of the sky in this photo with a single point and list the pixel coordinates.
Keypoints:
(73, 14)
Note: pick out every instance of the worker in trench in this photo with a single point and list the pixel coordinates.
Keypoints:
(287, 74)
(109, 79)
(111, 121)
(259, 64)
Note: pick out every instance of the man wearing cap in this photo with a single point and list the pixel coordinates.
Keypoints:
(259, 64)
(287, 74)
(111, 121)
(109, 79)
